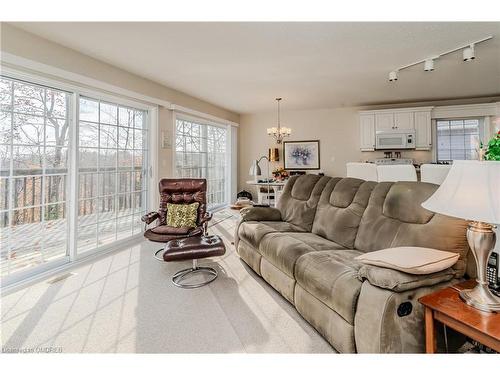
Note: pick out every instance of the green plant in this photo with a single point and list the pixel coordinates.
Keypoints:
(493, 151)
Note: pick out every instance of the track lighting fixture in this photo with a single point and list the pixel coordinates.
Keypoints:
(468, 55)
(429, 65)
(393, 76)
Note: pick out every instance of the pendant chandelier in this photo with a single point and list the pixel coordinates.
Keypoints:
(279, 132)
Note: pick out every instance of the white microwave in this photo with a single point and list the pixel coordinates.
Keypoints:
(394, 140)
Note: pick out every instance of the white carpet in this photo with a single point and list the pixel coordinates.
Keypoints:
(125, 302)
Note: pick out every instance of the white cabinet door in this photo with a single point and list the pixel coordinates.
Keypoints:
(404, 121)
(423, 132)
(384, 121)
(367, 132)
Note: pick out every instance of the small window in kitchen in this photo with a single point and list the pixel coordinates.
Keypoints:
(458, 139)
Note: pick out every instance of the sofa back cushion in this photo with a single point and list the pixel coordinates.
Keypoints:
(394, 217)
(340, 209)
(299, 199)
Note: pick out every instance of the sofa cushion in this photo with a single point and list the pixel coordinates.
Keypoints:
(253, 231)
(283, 249)
(299, 199)
(411, 226)
(403, 202)
(318, 243)
(332, 277)
(340, 209)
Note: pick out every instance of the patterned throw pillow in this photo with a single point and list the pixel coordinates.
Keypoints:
(182, 215)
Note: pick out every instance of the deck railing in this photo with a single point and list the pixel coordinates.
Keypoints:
(97, 189)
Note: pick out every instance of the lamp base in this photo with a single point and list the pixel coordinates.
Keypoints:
(481, 298)
(481, 238)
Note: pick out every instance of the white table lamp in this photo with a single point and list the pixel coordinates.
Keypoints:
(255, 171)
(471, 191)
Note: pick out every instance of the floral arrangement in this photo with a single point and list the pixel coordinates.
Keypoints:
(301, 155)
(493, 148)
(280, 173)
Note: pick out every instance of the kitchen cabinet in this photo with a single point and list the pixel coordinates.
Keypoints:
(416, 120)
(423, 132)
(367, 132)
(404, 121)
(394, 121)
(384, 121)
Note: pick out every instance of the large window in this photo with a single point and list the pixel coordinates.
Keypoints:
(111, 169)
(34, 134)
(49, 210)
(201, 151)
(458, 139)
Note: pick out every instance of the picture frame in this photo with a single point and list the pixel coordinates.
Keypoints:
(301, 155)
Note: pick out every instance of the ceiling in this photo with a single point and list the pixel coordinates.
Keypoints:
(244, 66)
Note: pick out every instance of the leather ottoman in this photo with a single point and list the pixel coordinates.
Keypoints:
(193, 248)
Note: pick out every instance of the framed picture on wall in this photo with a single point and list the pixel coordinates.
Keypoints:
(301, 155)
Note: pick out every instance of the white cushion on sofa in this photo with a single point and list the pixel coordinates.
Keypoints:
(414, 260)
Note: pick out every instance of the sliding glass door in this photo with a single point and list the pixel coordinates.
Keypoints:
(41, 129)
(34, 140)
(201, 152)
(112, 157)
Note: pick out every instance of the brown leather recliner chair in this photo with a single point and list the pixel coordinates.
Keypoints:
(178, 191)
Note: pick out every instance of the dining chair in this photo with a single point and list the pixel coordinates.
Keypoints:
(363, 171)
(395, 173)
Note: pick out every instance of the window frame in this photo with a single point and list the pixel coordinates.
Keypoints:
(75, 92)
(42, 204)
(228, 154)
(145, 152)
(482, 131)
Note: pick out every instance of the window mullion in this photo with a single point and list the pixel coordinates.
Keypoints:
(44, 175)
(98, 200)
(11, 181)
(73, 203)
(116, 194)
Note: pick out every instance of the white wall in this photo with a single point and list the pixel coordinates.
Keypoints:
(336, 129)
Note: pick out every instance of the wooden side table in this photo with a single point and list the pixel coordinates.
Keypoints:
(445, 306)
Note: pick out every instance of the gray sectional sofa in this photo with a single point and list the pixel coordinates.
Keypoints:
(305, 249)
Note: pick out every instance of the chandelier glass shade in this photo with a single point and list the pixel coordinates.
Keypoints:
(279, 132)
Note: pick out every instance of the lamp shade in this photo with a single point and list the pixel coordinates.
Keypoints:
(255, 169)
(471, 191)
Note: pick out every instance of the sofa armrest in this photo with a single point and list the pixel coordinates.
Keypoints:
(260, 214)
(398, 281)
(255, 214)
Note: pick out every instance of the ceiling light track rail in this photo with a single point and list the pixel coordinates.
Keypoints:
(468, 55)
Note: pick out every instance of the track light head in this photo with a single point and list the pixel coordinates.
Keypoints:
(429, 65)
(469, 53)
(393, 76)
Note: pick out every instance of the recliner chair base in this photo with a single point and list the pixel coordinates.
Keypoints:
(179, 276)
(185, 273)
